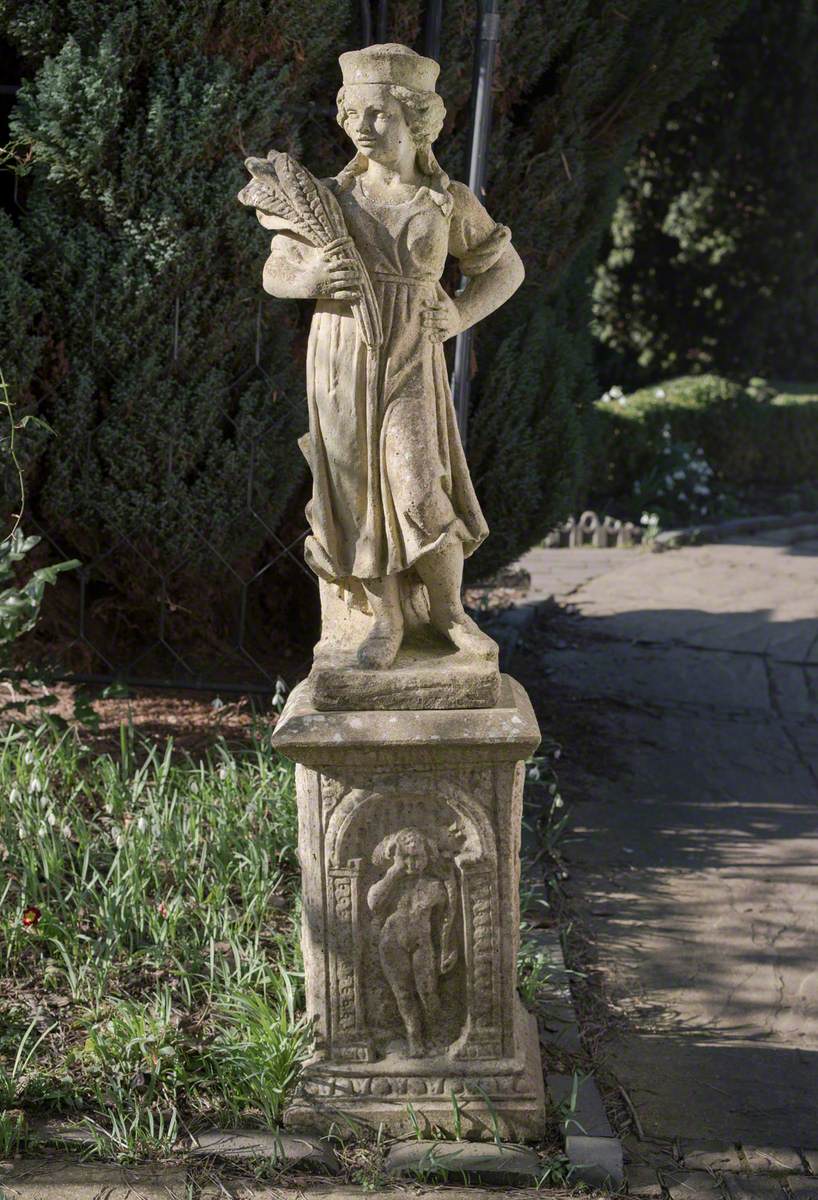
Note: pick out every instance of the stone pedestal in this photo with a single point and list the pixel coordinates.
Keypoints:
(409, 835)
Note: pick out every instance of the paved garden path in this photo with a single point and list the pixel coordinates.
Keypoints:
(694, 853)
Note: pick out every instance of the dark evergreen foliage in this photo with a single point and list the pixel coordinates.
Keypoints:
(132, 277)
(711, 265)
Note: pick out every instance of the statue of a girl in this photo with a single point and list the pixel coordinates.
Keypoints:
(393, 506)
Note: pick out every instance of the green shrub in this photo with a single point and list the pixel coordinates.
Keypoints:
(710, 261)
(146, 340)
(748, 435)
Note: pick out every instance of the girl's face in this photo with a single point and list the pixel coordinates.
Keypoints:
(375, 123)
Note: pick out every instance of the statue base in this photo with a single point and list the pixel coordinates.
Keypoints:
(427, 673)
(409, 836)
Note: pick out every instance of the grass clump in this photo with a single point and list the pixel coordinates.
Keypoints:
(149, 908)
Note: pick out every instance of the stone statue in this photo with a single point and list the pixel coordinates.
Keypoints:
(409, 744)
(415, 910)
(393, 511)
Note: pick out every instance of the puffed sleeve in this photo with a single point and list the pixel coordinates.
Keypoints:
(474, 239)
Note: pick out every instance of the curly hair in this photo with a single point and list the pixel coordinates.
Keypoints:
(424, 113)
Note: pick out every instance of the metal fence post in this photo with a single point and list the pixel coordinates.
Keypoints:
(484, 58)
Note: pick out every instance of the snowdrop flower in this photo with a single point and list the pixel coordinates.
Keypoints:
(142, 825)
(222, 772)
(119, 839)
(15, 795)
(28, 758)
(34, 785)
(22, 833)
(659, 393)
(558, 802)
(42, 832)
(52, 820)
(66, 831)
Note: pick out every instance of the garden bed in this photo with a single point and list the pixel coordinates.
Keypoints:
(151, 976)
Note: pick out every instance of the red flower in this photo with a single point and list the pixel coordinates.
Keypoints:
(31, 916)
(162, 909)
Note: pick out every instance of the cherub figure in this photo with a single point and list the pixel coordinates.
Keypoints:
(393, 509)
(415, 906)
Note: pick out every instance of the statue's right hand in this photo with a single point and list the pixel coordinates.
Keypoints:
(337, 278)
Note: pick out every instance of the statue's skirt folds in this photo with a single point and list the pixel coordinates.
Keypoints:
(390, 480)
(408, 452)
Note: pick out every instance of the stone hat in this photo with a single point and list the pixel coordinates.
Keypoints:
(389, 63)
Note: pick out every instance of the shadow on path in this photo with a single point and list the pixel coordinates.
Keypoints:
(691, 765)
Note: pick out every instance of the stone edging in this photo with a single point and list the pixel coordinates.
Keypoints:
(719, 530)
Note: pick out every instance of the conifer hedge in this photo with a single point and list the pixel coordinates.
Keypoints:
(133, 315)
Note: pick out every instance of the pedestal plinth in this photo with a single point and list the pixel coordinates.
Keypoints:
(409, 836)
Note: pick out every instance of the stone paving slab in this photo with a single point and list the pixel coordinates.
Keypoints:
(53, 1179)
(644, 1181)
(754, 598)
(803, 1187)
(693, 853)
(672, 676)
(771, 1158)
(753, 1187)
(709, 1156)
(691, 1185)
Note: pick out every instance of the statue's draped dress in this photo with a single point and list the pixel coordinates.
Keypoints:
(392, 484)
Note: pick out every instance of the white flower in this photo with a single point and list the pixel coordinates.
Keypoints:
(659, 393)
(119, 839)
(28, 758)
(52, 819)
(66, 831)
(21, 832)
(142, 825)
(217, 704)
(558, 752)
(678, 474)
(558, 802)
(42, 832)
(14, 795)
(222, 772)
(34, 785)
(623, 400)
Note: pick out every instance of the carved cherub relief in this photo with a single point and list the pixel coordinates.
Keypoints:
(415, 909)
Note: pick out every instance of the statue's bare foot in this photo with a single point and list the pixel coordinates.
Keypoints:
(379, 648)
(463, 633)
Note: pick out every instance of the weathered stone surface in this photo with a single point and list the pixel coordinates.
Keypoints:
(770, 1158)
(409, 828)
(643, 1181)
(426, 674)
(753, 1187)
(278, 1145)
(710, 1156)
(393, 510)
(803, 1187)
(812, 1159)
(588, 1114)
(691, 1185)
(56, 1179)
(595, 1161)
(483, 1161)
(650, 1152)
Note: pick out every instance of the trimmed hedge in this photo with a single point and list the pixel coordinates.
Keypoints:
(759, 434)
